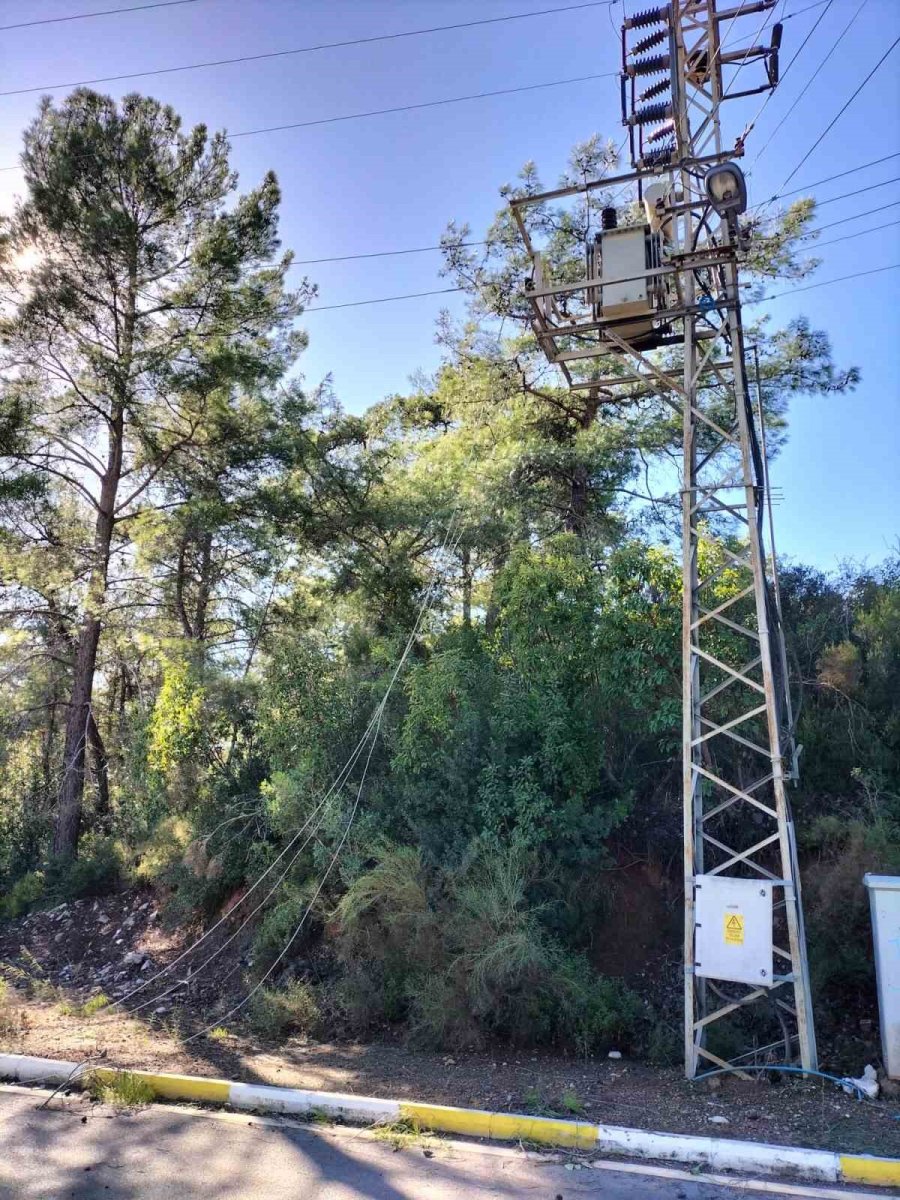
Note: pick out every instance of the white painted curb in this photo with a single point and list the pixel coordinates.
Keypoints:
(362, 1110)
(723, 1154)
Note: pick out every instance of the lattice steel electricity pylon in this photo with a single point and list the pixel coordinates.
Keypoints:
(670, 283)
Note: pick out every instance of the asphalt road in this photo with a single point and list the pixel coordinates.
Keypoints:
(76, 1151)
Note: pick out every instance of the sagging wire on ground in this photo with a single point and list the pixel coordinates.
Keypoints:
(372, 728)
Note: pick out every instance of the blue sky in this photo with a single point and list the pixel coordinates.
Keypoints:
(394, 181)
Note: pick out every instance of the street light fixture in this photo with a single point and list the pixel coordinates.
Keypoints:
(726, 189)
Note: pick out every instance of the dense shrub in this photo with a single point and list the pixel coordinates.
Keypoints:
(464, 956)
(23, 895)
(275, 1012)
(99, 869)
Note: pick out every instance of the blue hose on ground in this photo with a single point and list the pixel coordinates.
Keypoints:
(790, 1070)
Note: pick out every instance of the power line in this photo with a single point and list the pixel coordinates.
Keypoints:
(446, 291)
(781, 79)
(831, 124)
(829, 178)
(824, 283)
(382, 300)
(862, 232)
(363, 41)
(399, 108)
(103, 12)
(812, 77)
(380, 112)
(857, 192)
(311, 262)
(377, 718)
(870, 212)
(809, 8)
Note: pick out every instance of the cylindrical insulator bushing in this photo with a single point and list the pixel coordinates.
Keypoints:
(609, 218)
(663, 131)
(651, 16)
(660, 154)
(656, 90)
(647, 43)
(650, 114)
(648, 66)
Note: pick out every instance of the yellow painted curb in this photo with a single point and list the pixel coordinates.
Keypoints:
(607, 1140)
(862, 1168)
(175, 1087)
(505, 1126)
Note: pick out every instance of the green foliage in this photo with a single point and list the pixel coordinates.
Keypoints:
(121, 1089)
(464, 956)
(175, 725)
(274, 1013)
(277, 553)
(571, 1102)
(88, 1009)
(24, 894)
(277, 926)
(157, 856)
(99, 870)
(94, 1004)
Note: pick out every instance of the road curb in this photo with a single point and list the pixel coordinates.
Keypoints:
(722, 1154)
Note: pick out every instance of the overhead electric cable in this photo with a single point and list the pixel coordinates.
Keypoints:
(446, 291)
(102, 12)
(800, 11)
(338, 783)
(828, 178)
(811, 79)
(311, 262)
(781, 78)
(860, 233)
(824, 283)
(869, 212)
(362, 41)
(872, 187)
(336, 786)
(834, 120)
(380, 112)
(377, 717)
(260, 982)
(306, 262)
(381, 300)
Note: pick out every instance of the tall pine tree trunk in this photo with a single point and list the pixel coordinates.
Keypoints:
(79, 718)
(71, 793)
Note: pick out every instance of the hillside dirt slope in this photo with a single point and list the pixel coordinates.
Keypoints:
(53, 961)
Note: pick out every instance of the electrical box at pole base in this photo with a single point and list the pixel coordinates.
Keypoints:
(884, 897)
(733, 938)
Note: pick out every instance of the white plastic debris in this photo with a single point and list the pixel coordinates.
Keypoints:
(614, 1054)
(718, 1120)
(866, 1085)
